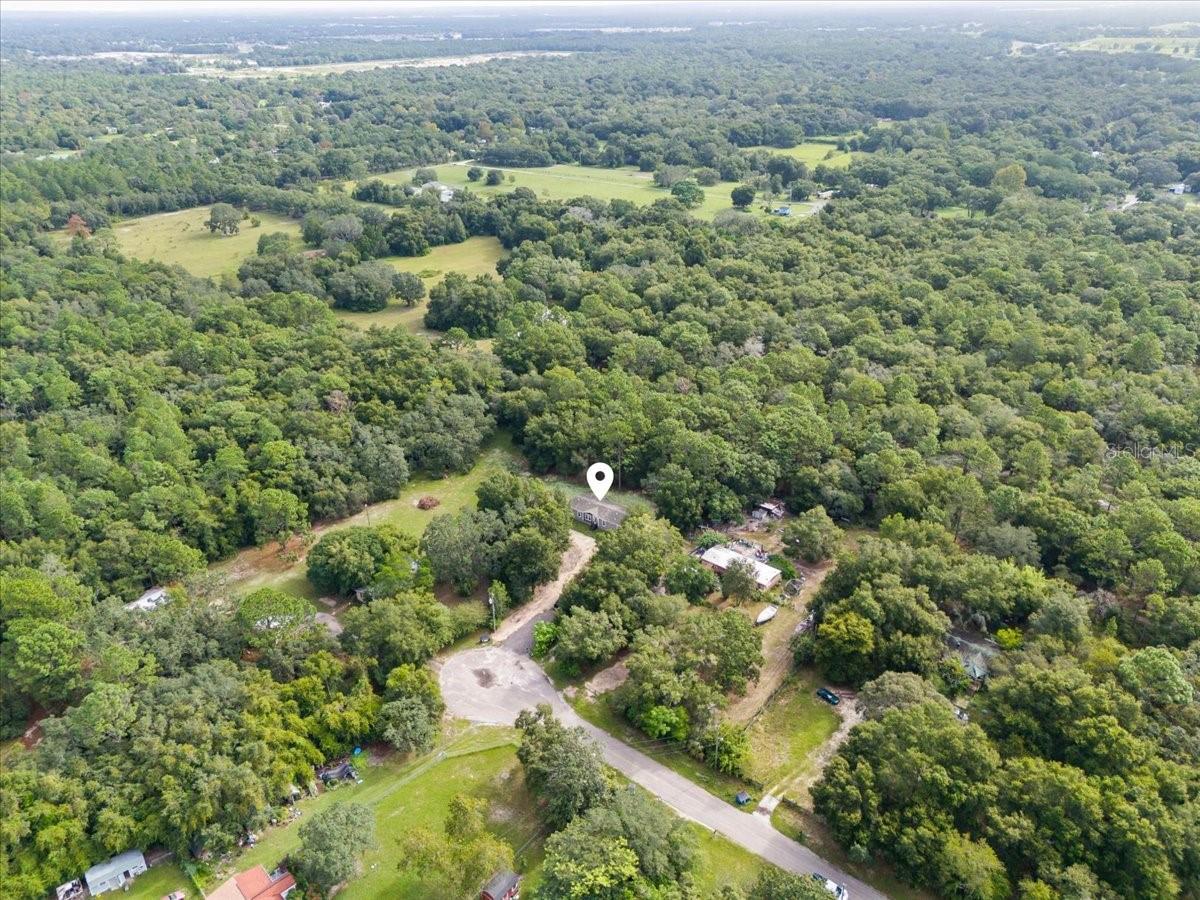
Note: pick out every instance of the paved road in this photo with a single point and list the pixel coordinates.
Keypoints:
(493, 684)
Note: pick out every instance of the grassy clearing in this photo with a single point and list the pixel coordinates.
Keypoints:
(474, 256)
(1182, 47)
(180, 238)
(600, 712)
(405, 793)
(566, 182)
(814, 153)
(952, 212)
(269, 567)
(631, 500)
(788, 731)
(721, 863)
(156, 883)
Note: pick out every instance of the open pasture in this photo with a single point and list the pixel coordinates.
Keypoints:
(181, 238)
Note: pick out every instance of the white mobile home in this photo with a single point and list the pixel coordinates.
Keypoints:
(721, 558)
(114, 874)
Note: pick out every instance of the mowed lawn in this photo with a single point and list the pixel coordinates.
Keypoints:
(721, 863)
(1181, 46)
(180, 238)
(785, 736)
(474, 256)
(815, 153)
(160, 881)
(269, 567)
(567, 182)
(404, 793)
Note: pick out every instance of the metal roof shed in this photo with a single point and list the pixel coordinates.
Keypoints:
(116, 872)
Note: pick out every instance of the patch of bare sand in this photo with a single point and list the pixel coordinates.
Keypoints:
(606, 680)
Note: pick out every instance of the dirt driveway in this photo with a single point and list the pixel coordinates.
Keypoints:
(777, 648)
(516, 632)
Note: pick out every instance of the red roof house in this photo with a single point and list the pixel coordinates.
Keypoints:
(256, 884)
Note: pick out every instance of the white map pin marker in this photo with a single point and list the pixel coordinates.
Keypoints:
(599, 479)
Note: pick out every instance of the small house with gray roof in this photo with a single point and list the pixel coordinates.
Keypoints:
(597, 513)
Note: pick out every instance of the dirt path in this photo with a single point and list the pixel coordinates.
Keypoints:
(777, 648)
(517, 629)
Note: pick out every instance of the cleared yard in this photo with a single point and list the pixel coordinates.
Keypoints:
(787, 733)
(474, 256)
(566, 182)
(632, 501)
(273, 566)
(814, 153)
(159, 881)
(721, 863)
(180, 238)
(403, 793)
(480, 761)
(1180, 46)
(952, 212)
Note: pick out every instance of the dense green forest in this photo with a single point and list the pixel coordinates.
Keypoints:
(1003, 404)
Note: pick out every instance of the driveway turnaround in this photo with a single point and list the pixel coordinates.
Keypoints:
(492, 684)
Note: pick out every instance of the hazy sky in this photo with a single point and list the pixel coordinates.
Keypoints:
(258, 6)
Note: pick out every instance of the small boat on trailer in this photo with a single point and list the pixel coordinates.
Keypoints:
(768, 613)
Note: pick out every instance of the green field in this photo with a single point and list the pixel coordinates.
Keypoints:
(814, 153)
(156, 883)
(268, 567)
(952, 212)
(784, 736)
(180, 238)
(720, 862)
(1183, 47)
(403, 793)
(566, 182)
(474, 256)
